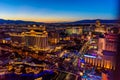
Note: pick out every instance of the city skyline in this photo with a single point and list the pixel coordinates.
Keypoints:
(57, 11)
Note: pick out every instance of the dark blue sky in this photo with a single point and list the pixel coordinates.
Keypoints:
(57, 10)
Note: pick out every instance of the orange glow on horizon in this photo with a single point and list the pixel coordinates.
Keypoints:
(46, 20)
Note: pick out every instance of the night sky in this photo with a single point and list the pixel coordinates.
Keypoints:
(57, 10)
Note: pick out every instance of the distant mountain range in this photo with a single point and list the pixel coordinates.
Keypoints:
(3, 21)
(94, 21)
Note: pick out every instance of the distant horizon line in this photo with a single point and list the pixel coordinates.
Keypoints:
(56, 21)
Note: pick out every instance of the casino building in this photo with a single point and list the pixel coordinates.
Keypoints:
(34, 40)
(108, 50)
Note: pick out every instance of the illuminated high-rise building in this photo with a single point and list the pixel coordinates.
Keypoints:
(74, 30)
(36, 40)
(111, 53)
(32, 39)
(108, 50)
